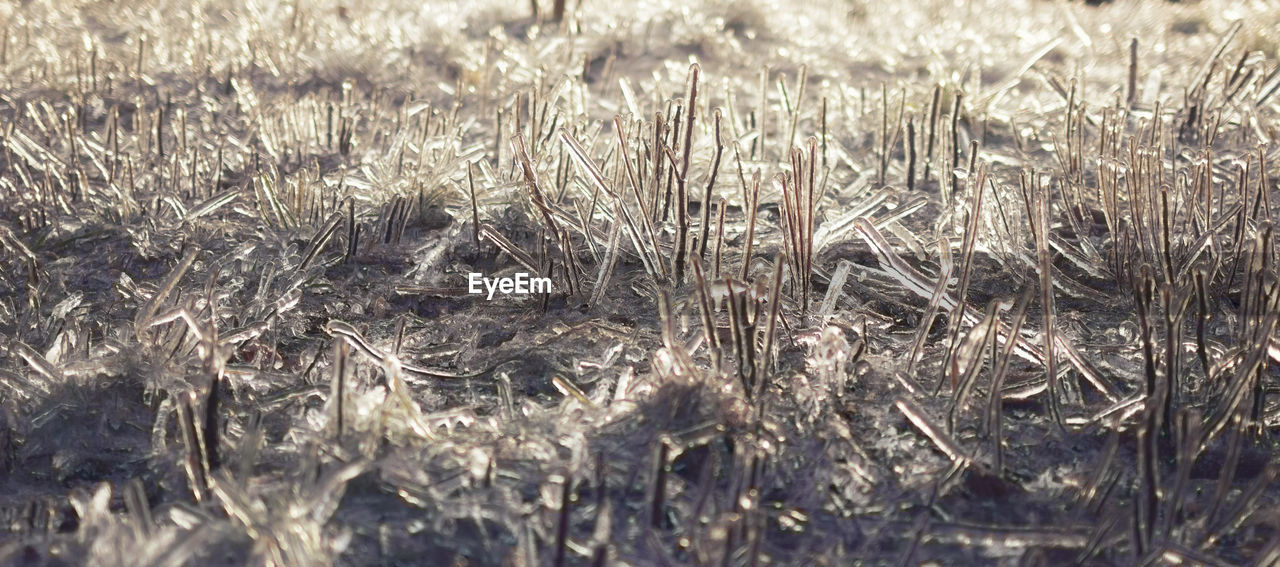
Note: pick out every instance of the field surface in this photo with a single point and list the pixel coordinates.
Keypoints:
(877, 283)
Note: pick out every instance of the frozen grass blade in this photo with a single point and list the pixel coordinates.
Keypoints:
(967, 361)
(995, 403)
(941, 440)
(682, 221)
(911, 153)
(356, 340)
(709, 328)
(194, 463)
(1245, 504)
(509, 247)
(211, 433)
(212, 204)
(148, 311)
(705, 222)
(658, 485)
(933, 131)
(1041, 227)
(935, 301)
(635, 189)
(320, 239)
(53, 376)
(978, 173)
(719, 236)
(752, 210)
(475, 209)
(798, 212)
(337, 386)
(834, 290)
(566, 490)
(775, 306)
(609, 263)
(743, 329)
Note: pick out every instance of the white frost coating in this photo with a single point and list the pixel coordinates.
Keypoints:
(192, 192)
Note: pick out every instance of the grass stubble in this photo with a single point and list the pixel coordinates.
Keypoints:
(1030, 321)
